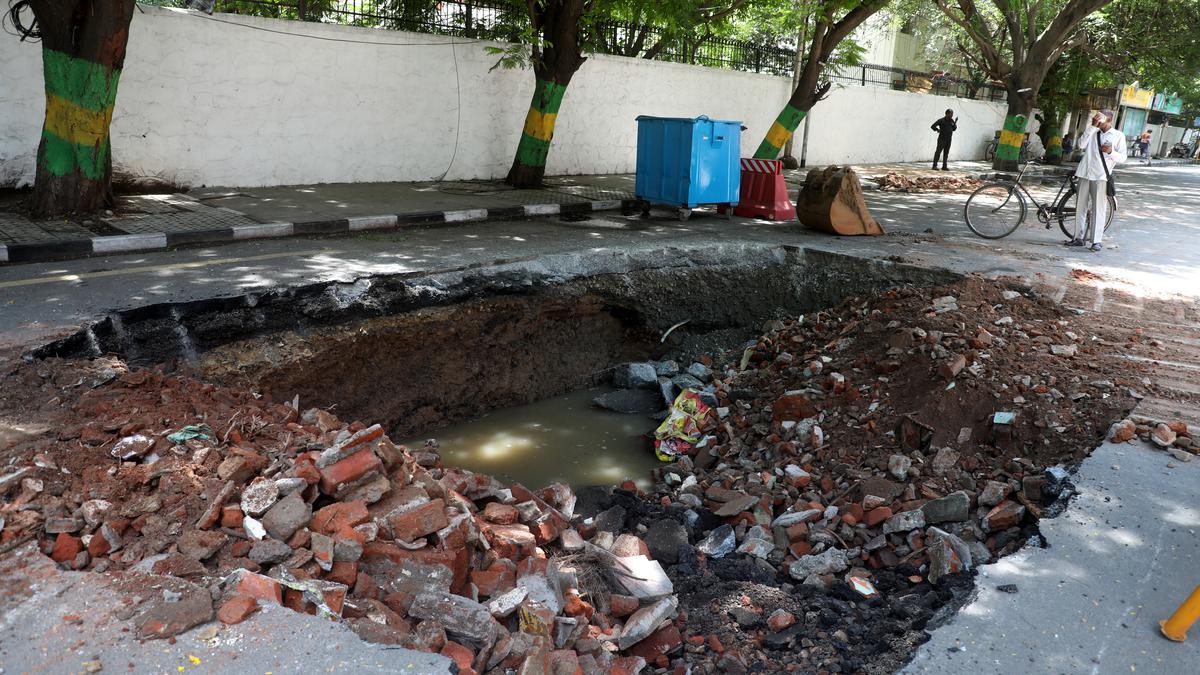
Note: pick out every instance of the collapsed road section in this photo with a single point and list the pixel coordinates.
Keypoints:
(849, 466)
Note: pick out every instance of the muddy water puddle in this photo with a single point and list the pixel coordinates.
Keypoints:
(563, 439)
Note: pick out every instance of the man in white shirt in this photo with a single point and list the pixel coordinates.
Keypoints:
(1093, 178)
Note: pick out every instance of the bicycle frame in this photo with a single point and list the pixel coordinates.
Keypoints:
(1044, 211)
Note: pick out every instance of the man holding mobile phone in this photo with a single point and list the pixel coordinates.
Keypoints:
(1103, 148)
(945, 128)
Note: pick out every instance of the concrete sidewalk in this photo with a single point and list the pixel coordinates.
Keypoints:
(215, 215)
(1117, 561)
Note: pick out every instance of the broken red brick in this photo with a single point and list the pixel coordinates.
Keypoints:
(714, 643)
(231, 517)
(260, 587)
(66, 547)
(338, 515)
(514, 542)
(780, 619)
(877, 516)
(343, 573)
(622, 605)
(349, 470)
(237, 609)
(460, 655)
(500, 514)
(659, 643)
(416, 523)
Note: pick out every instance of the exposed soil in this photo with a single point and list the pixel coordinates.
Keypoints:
(493, 354)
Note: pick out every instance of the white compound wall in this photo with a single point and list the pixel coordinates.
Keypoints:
(225, 101)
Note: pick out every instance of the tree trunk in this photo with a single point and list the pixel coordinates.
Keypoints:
(784, 127)
(83, 49)
(1054, 139)
(1012, 136)
(559, 25)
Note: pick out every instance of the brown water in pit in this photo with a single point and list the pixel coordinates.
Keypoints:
(563, 439)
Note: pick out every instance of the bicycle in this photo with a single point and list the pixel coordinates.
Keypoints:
(989, 153)
(996, 209)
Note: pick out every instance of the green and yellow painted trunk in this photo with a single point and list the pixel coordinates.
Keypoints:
(1054, 149)
(1011, 138)
(539, 123)
(779, 133)
(79, 107)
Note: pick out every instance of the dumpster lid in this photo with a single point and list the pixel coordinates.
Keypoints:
(688, 119)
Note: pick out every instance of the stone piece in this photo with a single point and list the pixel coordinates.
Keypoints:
(719, 543)
(269, 552)
(828, 561)
(664, 538)
(630, 401)
(953, 508)
(260, 495)
(287, 515)
(646, 620)
(464, 620)
(905, 521)
(635, 376)
(1004, 515)
(200, 544)
(994, 492)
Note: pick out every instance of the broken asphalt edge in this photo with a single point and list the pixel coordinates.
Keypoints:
(45, 251)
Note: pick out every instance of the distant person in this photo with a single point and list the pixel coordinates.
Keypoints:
(945, 128)
(1102, 149)
(1144, 143)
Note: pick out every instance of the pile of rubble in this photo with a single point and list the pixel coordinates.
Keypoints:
(898, 182)
(828, 482)
(240, 502)
(1174, 438)
(878, 448)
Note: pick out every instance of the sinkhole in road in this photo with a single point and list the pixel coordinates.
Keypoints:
(499, 365)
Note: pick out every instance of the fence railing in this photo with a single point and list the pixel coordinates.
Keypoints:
(490, 20)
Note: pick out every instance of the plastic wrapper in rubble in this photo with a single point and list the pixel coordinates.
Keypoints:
(686, 422)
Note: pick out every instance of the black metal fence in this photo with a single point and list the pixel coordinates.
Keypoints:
(900, 79)
(490, 20)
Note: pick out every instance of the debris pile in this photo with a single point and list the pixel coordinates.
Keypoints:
(878, 448)
(898, 182)
(251, 502)
(1174, 438)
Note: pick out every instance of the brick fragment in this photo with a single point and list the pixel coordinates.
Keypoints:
(237, 609)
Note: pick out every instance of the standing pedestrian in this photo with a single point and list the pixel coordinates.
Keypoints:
(945, 128)
(1102, 149)
(1144, 143)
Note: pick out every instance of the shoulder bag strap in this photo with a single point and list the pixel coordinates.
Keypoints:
(1103, 162)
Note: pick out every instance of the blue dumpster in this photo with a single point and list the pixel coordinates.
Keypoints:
(685, 162)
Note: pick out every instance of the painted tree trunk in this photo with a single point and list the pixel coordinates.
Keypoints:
(781, 132)
(1054, 149)
(529, 165)
(83, 49)
(1012, 136)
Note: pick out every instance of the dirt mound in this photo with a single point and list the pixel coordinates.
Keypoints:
(898, 182)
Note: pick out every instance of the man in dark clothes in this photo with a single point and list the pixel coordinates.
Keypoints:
(945, 128)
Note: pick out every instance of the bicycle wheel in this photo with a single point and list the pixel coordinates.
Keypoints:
(994, 210)
(1065, 213)
(990, 153)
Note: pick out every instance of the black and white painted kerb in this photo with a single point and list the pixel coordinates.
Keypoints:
(128, 243)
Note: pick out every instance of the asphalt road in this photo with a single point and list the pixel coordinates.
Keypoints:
(1153, 244)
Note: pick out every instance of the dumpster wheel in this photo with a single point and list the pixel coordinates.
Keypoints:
(683, 213)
